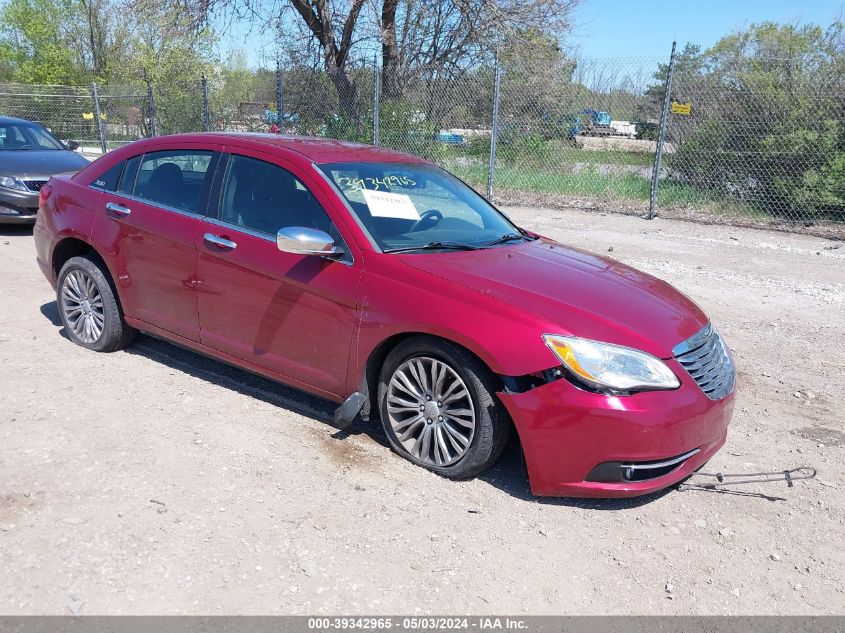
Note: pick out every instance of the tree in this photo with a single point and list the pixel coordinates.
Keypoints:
(335, 39)
(689, 65)
(38, 50)
(453, 36)
(768, 119)
(172, 54)
(434, 37)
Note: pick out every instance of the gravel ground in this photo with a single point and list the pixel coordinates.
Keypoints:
(157, 481)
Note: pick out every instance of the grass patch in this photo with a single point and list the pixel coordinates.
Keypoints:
(589, 183)
(584, 183)
(541, 152)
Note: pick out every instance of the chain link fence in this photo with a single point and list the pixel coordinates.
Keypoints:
(569, 135)
(761, 140)
(761, 144)
(68, 111)
(99, 118)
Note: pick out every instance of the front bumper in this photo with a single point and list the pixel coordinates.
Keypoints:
(567, 432)
(18, 207)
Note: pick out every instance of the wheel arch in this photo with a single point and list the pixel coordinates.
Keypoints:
(379, 354)
(376, 358)
(70, 247)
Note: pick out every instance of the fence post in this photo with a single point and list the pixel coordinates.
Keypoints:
(152, 109)
(494, 132)
(97, 113)
(280, 88)
(376, 101)
(206, 115)
(658, 158)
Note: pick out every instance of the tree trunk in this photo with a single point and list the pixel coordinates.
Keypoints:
(318, 17)
(346, 94)
(391, 84)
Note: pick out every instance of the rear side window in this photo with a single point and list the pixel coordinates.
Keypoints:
(174, 178)
(109, 179)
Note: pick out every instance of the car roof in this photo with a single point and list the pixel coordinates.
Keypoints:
(11, 119)
(315, 149)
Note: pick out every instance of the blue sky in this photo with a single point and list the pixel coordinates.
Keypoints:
(635, 28)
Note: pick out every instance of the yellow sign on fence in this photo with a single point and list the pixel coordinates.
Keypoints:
(682, 108)
(89, 116)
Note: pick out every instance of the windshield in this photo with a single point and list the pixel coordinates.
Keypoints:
(405, 206)
(26, 136)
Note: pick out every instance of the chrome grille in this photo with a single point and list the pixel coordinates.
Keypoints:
(34, 185)
(707, 360)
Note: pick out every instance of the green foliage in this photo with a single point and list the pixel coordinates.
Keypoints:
(403, 126)
(347, 129)
(34, 48)
(526, 149)
(689, 64)
(768, 123)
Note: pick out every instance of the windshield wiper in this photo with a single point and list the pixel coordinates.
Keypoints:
(433, 246)
(510, 237)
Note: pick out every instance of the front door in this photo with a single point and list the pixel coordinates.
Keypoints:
(292, 314)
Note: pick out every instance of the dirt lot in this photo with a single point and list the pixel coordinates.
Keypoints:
(157, 481)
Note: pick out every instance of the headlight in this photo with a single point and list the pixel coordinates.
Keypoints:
(12, 183)
(606, 366)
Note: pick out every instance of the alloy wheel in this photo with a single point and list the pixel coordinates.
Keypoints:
(82, 306)
(431, 411)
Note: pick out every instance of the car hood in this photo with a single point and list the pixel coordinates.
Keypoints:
(575, 292)
(39, 163)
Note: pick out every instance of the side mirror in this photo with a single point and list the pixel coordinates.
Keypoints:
(72, 145)
(300, 240)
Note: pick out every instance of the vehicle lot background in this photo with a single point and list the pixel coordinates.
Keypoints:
(156, 481)
(759, 143)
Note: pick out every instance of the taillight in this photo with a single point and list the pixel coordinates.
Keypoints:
(44, 195)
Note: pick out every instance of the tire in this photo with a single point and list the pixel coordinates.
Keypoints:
(80, 280)
(402, 423)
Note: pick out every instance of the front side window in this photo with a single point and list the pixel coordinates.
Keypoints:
(404, 206)
(265, 197)
(173, 178)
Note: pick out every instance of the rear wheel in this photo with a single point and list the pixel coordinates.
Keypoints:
(89, 307)
(439, 409)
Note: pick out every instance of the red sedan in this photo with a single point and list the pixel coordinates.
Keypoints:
(381, 282)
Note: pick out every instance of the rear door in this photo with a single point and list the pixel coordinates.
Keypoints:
(149, 223)
(292, 314)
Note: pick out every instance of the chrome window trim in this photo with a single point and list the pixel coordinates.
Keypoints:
(243, 229)
(272, 239)
(153, 203)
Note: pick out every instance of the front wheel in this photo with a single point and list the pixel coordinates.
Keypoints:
(439, 409)
(89, 307)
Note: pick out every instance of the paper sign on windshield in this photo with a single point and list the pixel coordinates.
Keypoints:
(384, 204)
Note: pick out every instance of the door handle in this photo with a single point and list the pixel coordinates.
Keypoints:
(117, 210)
(222, 242)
